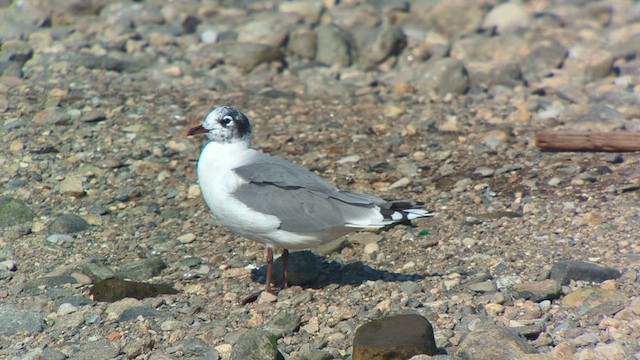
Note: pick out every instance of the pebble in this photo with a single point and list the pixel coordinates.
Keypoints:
(371, 248)
(187, 238)
(72, 185)
(9, 265)
(65, 309)
(507, 282)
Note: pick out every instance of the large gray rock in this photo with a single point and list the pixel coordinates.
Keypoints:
(541, 61)
(442, 76)
(493, 342)
(68, 224)
(303, 42)
(283, 323)
(142, 269)
(100, 349)
(14, 320)
(246, 56)
(565, 271)
(537, 291)
(389, 41)
(13, 55)
(255, 345)
(394, 337)
(507, 17)
(14, 212)
(335, 45)
(456, 18)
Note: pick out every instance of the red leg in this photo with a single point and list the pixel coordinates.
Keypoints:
(269, 268)
(285, 268)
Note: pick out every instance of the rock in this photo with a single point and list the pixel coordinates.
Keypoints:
(588, 63)
(309, 10)
(541, 61)
(332, 247)
(484, 286)
(507, 17)
(595, 302)
(65, 309)
(537, 291)
(97, 62)
(111, 290)
(193, 348)
(14, 212)
(96, 270)
(303, 268)
(187, 238)
(52, 116)
(400, 336)
(335, 45)
(255, 345)
(14, 320)
(52, 354)
(68, 224)
(565, 271)
(371, 248)
(270, 30)
(283, 323)
(303, 42)
(490, 73)
(507, 282)
(493, 342)
(9, 265)
(389, 41)
(133, 312)
(142, 269)
(71, 185)
(316, 355)
(267, 297)
(456, 18)
(442, 76)
(319, 86)
(48, 282)
(246, 56)
(99, 349)
(13, 55)
(613, 351)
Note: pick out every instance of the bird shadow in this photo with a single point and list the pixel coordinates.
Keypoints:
(309, 270)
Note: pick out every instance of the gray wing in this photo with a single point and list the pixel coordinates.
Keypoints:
(303, 201)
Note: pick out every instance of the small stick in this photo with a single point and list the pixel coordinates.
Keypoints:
(571, 140)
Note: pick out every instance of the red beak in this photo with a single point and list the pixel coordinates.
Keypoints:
(196, 130)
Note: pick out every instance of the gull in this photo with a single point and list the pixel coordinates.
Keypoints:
(277, 203)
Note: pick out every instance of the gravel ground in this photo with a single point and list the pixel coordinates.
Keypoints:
(437, 101)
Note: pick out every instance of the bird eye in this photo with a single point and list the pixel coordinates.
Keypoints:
(226, 121)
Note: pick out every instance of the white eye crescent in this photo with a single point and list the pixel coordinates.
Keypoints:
(226, 120)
